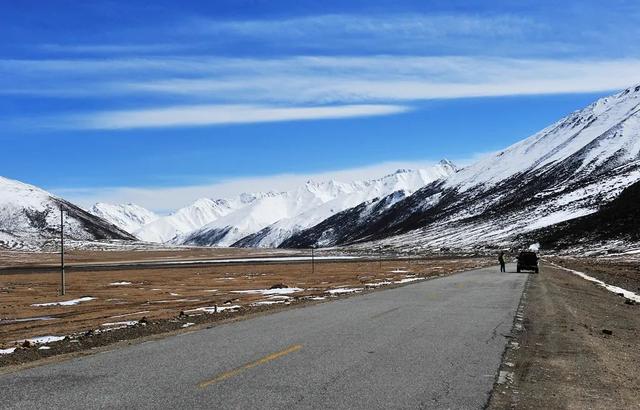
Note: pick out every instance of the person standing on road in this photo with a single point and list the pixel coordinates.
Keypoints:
(501, 260)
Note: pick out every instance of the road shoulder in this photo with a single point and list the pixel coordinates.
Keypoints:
(576, 347)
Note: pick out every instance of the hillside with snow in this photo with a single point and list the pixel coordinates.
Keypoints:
(129, 217)
(270, 220)
(264, 211)
(402, 181)
(184, 220)
(30, 216)
(565, 171)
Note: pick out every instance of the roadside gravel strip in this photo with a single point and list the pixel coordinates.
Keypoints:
(429, 344)
(576, 347)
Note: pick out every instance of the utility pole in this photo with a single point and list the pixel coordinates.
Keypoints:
(313, 259)
(380, 257)
(62, 283)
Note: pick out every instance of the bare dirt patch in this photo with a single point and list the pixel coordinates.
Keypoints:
(102, 307)
(577, 349)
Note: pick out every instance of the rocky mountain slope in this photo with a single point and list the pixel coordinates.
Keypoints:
(565, 171)
(618, 220)
(129, 217)
(29, 216)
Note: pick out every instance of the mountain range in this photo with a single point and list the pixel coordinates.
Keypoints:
(567, 170)
(573, 170)
(263, 219)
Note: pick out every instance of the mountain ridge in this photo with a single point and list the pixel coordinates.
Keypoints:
(30, 216)
(562, 172)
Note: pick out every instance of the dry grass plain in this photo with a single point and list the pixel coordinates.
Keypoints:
(128, 295)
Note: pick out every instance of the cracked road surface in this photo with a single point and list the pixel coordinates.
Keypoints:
(431, 344)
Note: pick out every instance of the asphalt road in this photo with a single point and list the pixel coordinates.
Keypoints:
(432, 344)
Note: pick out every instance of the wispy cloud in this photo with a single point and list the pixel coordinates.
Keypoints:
(413, 26)
(203, 91)
(317, 80)
(384, 78)
(200, 115)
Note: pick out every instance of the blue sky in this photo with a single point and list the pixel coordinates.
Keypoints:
(161, 103)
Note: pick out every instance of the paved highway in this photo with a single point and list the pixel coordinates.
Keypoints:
(432, 344)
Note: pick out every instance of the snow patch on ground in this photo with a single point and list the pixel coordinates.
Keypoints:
(406, 280)
(187, 325)
(119, 283)
(125, 323)
(343, 290)
(378, 284)
(268, 302)
(7, 351)
(213, 309)
(65, 303)
(626, 293)
(283, 291)
(45, 339)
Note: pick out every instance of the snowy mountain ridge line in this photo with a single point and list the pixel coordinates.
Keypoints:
(402, 181)
(552, 144)
(307, 204)
(565, 171)
(186, 219)
(30, 216)
(129, 217)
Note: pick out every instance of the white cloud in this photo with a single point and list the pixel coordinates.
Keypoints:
(200, 115)
(314, 80)
(410, 26)
(393, 78)
(171, 198)
(200, 91)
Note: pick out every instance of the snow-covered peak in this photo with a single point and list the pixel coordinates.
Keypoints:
(230, 220)
(249, 197)
(606, 130)
(19, 193)
(322, 200)
(129, 217)
(184, 220)
(30, 215)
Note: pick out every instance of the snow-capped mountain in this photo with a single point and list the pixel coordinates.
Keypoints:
(404, 181)
(264, 211)
(564, 171)
(129, 217)
(186, 219)
(29, 216)
(270, 220)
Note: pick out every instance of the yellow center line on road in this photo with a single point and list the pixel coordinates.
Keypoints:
(235, 372)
